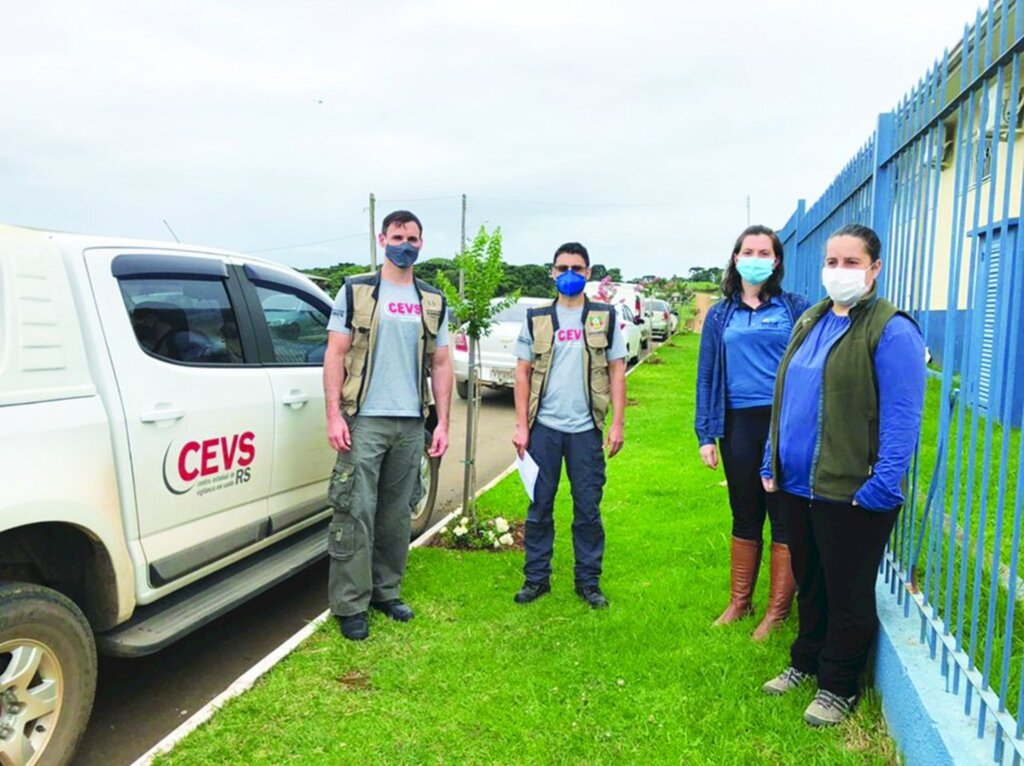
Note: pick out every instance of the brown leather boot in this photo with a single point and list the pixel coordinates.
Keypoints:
(746, 560)
(780, 596)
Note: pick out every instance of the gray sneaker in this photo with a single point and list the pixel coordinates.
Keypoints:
(828, 709)
(788, 679)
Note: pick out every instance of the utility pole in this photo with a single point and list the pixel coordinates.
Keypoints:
(462, 272)
(748, 210)
(373, 232)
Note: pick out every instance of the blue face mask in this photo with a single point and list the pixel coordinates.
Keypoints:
(755, 270)
(403, 255)
(570, 283)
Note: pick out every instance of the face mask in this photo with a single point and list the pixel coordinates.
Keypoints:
(845, 286)
(755, 270)
(570, 283)
(403, 255)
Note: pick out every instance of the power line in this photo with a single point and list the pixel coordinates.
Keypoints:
(305, 244)
(419, 199)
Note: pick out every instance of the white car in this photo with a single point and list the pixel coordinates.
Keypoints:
(497, 350)
(629, 327)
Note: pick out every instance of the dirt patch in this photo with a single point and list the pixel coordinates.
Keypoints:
(355, 680)
(655, 360)
(632, 402)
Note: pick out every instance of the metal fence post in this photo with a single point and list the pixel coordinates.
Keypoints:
(882, 182)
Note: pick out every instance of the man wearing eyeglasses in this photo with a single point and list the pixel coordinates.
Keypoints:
(571, 368)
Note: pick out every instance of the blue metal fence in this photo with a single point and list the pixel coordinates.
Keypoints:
(941, 181)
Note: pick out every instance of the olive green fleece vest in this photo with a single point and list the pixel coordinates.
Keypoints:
(597, 336)
(362, 319)
(847, 441)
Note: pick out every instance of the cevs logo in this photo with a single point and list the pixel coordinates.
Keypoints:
(210, 464)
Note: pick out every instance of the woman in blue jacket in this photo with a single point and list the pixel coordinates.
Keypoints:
(742, 342)
(845, 422)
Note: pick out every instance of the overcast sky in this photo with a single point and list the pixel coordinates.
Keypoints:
(636, 128)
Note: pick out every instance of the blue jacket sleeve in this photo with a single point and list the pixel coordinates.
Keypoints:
(901, 373)
(766, 461)
(707, 358)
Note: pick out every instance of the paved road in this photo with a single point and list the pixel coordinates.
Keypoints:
(140, 701)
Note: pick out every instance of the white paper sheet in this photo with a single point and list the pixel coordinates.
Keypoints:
(528, 471)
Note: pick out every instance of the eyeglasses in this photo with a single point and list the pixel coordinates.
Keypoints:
(561, 269)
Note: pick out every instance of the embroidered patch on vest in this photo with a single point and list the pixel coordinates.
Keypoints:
(596, 322)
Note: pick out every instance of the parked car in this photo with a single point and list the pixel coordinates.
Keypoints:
(629, 327)
(626, 294)
(674, 319)
(164, 458)
(661, 318)
(497, 350)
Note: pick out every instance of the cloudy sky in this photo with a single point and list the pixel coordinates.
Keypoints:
(637, 128)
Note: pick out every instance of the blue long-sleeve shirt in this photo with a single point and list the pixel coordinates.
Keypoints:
(900, 373)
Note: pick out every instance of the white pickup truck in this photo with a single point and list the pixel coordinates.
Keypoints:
(163, 458)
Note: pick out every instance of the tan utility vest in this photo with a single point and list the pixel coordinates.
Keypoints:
(362, 319)
(597, 339)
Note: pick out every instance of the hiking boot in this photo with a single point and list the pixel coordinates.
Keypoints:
(396, 609)
(828, 709)
(787, 680)
(745, 560)
(354, 627)
(781, 591)
(531, 591)
(592, 595)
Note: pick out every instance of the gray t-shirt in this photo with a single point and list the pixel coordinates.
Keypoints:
(394, 380)
(564, 405)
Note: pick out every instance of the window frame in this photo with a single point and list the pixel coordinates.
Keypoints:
(130, 267)
(250, 277)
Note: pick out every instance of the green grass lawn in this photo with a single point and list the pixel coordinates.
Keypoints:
(477, 679)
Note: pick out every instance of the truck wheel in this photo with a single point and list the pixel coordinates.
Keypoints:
(429, 467)
(47, 675)
(462, 388)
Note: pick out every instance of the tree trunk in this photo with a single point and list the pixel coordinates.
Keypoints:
(469, 475)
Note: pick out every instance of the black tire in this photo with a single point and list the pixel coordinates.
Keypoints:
(423, 512)
(645, 343)
(462, 388)
(32, 616)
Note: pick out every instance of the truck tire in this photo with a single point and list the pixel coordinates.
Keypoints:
(462, 388)
(424, 510)
(47, 675)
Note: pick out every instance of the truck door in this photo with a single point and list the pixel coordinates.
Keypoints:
(289, 315)
(197, 404)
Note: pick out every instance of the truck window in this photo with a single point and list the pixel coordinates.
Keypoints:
(297, 324)
(183, 320)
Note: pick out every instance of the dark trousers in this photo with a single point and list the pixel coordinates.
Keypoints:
(584, 463)
(742, 449)
(836, 550)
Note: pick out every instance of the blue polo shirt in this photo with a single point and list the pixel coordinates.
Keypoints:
(755, 340)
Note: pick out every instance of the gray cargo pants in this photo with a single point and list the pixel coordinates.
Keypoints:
(373, 489)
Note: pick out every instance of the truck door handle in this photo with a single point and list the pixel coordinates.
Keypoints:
(295, 398)
(160, 415)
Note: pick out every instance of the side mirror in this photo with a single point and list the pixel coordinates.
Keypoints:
(638, 320)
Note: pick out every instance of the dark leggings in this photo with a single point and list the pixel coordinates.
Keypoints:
(742, 448)
(836, 549)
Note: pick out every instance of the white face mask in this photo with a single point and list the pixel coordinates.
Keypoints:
(845, 286)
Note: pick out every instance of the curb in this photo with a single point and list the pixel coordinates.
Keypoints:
(245, 681)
